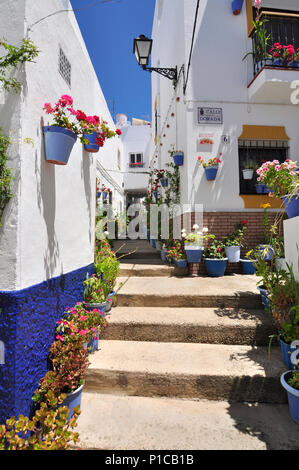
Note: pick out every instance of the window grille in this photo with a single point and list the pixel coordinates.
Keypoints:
(65, 67)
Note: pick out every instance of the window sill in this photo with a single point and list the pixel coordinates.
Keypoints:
(254, 201)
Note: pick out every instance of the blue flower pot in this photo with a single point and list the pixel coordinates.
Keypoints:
(215, 267)
(264, 296)
(109, 301)
(260, 188)
(105, 195)
(193, 255)
(248, 266)
(268, 252)
(92, 147)
(286, 352)
(99, 194)
(211, 172)
(155, 193)
(178, 158)
(73, 399)
(58, 144)
(237, 6)
(180, 263)
(164, 182)
(293, 396)
(154, 243)
(291, 205)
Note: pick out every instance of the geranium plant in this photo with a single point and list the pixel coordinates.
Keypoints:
(215, 249)
(280, 177)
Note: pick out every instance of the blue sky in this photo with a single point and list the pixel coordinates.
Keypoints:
(108, 30)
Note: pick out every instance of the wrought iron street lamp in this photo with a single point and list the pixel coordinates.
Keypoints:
(142, 49)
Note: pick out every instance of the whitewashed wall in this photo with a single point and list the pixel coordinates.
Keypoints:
(51, 219)
(291, 244)
(218, 77)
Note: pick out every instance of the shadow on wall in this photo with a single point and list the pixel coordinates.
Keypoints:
(86, 166)
(46, 201)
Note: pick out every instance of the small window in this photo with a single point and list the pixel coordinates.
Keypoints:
(252, 154)
(65, 68)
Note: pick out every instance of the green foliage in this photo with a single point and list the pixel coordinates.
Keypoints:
(5, 175)
(49, 429)
(12, 58)
(262, 41)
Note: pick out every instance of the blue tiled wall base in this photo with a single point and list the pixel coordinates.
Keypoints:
(27, 327)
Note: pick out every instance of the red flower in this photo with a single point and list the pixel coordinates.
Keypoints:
(244, 222)
(81, 116)
(118, 131)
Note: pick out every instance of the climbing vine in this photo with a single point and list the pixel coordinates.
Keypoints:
(13, 57)
(5, 175)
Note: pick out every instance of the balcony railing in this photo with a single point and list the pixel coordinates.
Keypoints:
(281, 29)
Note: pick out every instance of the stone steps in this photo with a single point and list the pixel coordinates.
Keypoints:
(187, 370)
(151, 268)
(192, 325)
(130, 423)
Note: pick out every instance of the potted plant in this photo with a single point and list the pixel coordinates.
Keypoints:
(178, 156)
(96, 292)
(266, 248)
(290, 382)
(248, 264)
(277, 243)
(178, 254)
(283, 179)
(233, 242)
(211, 167)
(194, 243)
(214, 257)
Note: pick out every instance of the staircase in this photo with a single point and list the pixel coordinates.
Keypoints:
(183, 364)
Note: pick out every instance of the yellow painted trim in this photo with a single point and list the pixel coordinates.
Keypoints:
(264, 133)
(249, 13)
(254, 201)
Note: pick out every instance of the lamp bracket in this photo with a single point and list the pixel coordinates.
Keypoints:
(171, 73)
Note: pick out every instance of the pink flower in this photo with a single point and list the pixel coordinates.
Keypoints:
(48, 108)
(66, 100)
(60, 338)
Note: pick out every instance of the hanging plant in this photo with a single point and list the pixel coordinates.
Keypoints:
(5, 175)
